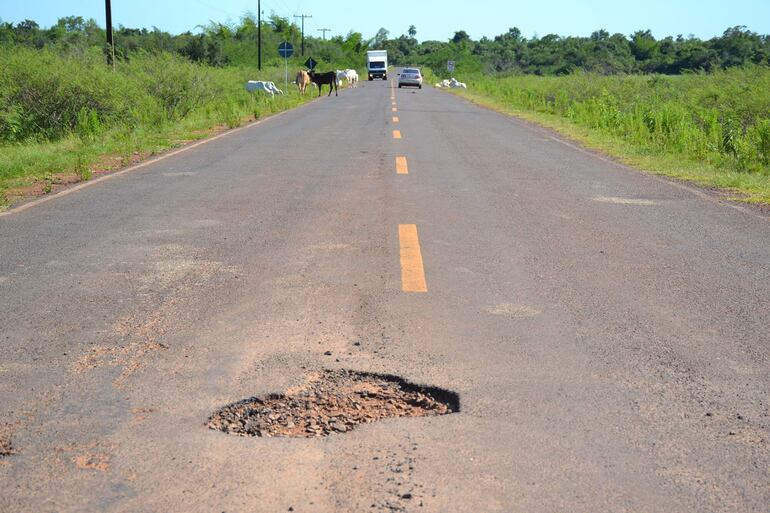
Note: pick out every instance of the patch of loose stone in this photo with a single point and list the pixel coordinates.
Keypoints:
(6, 449)
(333, 401)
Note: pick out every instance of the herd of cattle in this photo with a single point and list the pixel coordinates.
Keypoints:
(333, 79)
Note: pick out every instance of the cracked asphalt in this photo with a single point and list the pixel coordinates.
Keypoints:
(606, 330)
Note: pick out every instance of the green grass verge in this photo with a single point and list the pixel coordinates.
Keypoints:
(71, 116)
(712, 130)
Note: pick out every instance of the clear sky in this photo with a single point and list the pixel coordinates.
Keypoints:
(434, 19)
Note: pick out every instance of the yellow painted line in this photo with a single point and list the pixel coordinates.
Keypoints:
(412, 271)
(396, 134)
(395, 119)
(394, 109)
(401, 166)
(393, 103)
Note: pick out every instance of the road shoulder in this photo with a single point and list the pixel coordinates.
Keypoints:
(695, 177)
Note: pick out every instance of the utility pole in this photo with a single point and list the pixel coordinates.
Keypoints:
(110, 41)
(259, 35)
(324, 31)
(303, 16)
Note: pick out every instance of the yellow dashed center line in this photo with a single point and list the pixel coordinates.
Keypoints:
(396, 134)
(401, 166)
(412, 271)
(395, 119)
(394, 109)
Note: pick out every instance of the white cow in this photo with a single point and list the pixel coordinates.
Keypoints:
(352, 76)
(451, 84)
(260, 85)
(341, 75)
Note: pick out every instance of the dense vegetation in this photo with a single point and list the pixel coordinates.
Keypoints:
(63, 110)
(220, 44)
(215, 44)
(599, 53)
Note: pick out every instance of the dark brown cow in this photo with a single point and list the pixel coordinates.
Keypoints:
(329, 78)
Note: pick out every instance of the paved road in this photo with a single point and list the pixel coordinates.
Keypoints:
(607, 331)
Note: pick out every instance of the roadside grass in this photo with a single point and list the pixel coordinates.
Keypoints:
(66, 117)
(429, 77)
(710, 129)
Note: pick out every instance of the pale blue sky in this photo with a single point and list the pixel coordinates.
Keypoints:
(434, 19)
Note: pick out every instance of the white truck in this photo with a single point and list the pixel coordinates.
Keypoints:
(377, 64)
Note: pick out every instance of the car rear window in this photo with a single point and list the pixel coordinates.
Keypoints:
(415, 71)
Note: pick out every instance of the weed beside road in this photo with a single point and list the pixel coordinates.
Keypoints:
(712, 129)
(66, 115)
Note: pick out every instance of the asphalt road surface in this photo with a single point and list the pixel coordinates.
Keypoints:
(606, 331)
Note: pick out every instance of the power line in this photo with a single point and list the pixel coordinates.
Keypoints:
(303, 16)
(324, 31)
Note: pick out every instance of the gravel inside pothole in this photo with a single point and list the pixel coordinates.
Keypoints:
(333, 401)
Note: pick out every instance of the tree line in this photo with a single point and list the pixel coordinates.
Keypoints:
(220, 44)
(600, 52)
(215, 44)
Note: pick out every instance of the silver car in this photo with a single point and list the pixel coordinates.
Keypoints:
(410, 77)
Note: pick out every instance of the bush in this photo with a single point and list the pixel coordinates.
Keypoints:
(45, 95)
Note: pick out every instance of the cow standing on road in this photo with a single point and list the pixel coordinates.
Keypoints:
(320, 79)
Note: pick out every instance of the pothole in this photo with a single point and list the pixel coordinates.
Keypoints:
(333, 401)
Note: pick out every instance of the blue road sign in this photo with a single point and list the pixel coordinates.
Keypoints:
(285, 50)
(310, 63)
